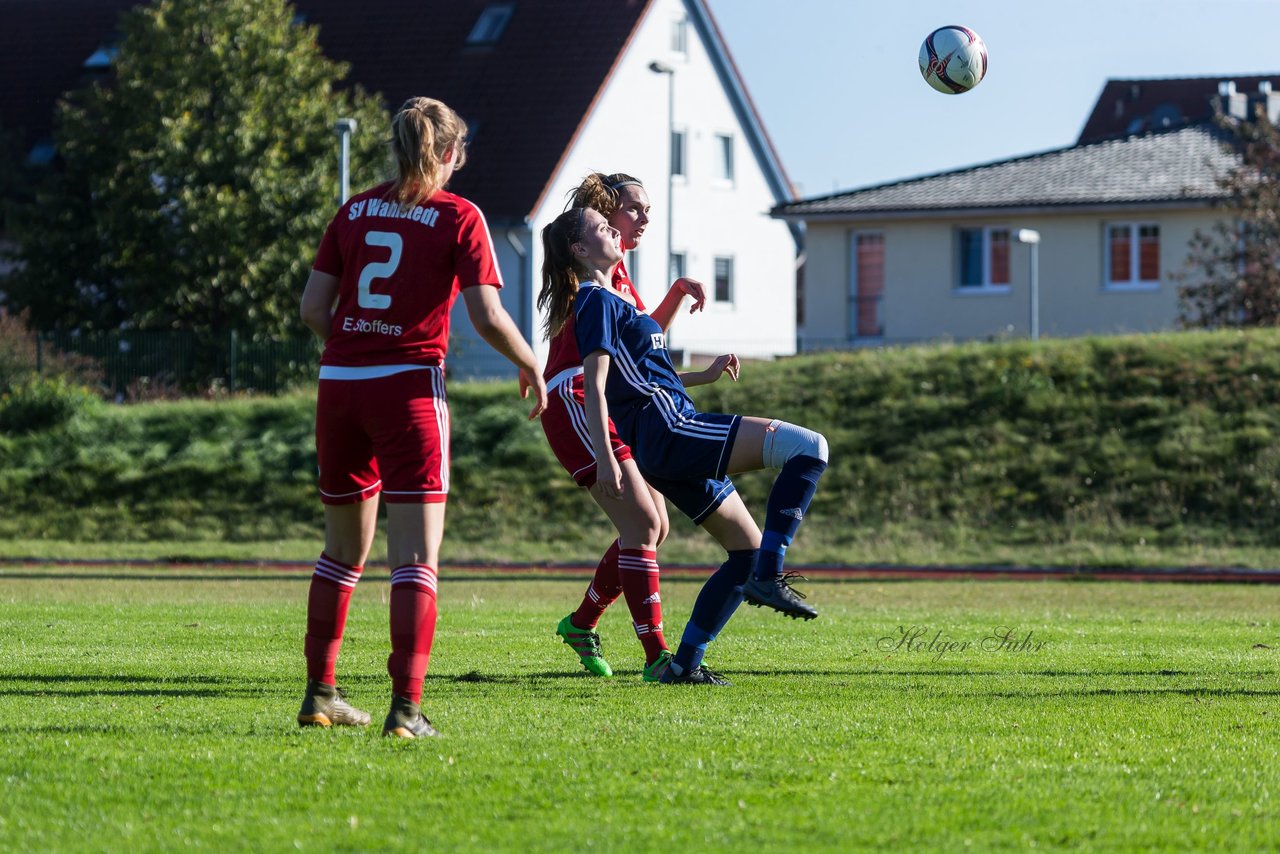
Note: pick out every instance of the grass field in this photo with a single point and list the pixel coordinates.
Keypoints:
(153, 710)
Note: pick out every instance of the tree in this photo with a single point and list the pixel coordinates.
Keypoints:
(193, 187)
(1234, 278)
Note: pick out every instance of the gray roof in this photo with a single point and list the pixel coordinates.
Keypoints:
(1180, 165)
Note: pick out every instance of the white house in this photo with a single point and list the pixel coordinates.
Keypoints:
(663, 94)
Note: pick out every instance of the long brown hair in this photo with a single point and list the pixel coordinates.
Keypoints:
(559, 270)
(602, 192)
(422, 132)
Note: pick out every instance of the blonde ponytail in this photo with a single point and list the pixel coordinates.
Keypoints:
(422, 133)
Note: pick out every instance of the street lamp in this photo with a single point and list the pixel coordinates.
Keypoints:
(660, 68)
(344, 127)
(1031, 237)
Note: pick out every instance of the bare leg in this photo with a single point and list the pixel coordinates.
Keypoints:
(414, 533)
(732, 525)
(748, 446)
(349, 529)
(635, 514)
(664, 521)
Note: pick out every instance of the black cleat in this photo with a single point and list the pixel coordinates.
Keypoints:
(405, 720)
(779, 595)
(700, 675)
(326, 705)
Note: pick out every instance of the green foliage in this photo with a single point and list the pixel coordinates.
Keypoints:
(161, 705)
(1174, 433)
(43, 403)
(1166, 439)
(1234, 276)
(24, 356)
(196, 183)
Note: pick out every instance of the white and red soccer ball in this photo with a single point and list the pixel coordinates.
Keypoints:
(953, 59)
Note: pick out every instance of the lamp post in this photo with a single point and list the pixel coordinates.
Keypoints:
(344, 128)
(1031, 237)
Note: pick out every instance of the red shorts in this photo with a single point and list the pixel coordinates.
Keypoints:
(565, 423)
(388, 435)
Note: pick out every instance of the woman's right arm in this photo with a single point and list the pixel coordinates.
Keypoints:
(595, 370)
(317, 303)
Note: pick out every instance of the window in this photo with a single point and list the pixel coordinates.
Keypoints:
(984, 259)
(103, 57)
(680, 36)
(724, 280)
(867, 287)
(677, 265)
(1133, 254)
(491, 24)
(677, 153)
(724, 144)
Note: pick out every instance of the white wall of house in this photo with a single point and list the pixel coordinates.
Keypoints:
(713, 217)
(922, 300)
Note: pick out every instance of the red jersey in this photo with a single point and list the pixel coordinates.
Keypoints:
(400, 270)
(564, 347)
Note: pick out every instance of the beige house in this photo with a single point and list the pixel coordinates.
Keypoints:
(939, 257)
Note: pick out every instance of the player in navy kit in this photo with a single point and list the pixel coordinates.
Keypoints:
(687, 455)
(388, 270)
(630, 566)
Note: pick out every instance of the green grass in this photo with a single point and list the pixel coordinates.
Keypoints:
(903, 545)
(149, 710)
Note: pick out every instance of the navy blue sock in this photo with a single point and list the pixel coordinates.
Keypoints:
(716, 602)
(788, 502)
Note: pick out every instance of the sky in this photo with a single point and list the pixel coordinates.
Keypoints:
(838, 88)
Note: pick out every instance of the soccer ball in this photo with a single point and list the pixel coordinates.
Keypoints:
(953, 59)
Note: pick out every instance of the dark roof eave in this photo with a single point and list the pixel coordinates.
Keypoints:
(1005, 210)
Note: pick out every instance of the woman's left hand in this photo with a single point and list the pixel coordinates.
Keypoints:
(726, 364)
(692, 288)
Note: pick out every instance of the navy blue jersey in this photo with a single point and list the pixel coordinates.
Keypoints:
(641, 369)
(680, 451)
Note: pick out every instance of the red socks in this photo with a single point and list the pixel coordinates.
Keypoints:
(413, 627)
(327, 602)
(413, 622)
(604, 589)
(638, 572)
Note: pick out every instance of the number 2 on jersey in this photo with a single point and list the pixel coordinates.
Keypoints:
(378, 269)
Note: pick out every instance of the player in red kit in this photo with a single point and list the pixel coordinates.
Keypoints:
(389, 268)
(629, 567)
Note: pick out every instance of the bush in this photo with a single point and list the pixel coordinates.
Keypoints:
(39, 403)
(23, 356)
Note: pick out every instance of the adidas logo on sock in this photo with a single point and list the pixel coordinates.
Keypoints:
(794, 512)
(654, 599)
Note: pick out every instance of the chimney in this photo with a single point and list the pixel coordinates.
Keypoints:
(1232, 103)
(1269, 101)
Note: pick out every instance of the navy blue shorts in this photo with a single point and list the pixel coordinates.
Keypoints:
(684, 457)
